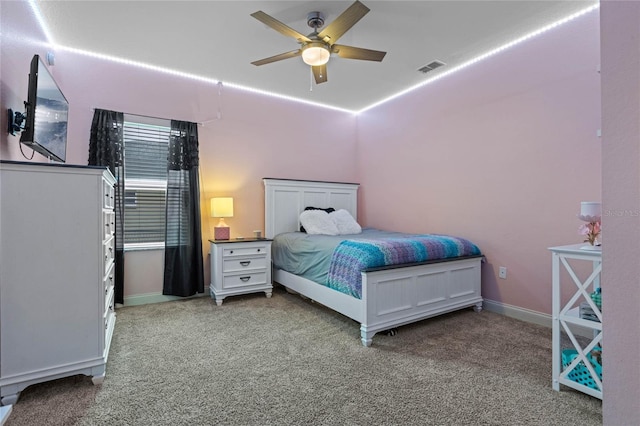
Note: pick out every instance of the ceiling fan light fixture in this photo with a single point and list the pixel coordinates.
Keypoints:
(315, 54)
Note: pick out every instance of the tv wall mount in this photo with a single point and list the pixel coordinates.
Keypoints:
(15, 121)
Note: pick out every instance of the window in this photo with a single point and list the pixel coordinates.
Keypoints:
(146, 146)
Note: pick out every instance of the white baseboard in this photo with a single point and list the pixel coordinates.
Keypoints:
(528, 315)
(144, 299)
(516, 312)
(512, 311)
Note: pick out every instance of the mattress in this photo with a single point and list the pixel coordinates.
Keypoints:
(337, 261)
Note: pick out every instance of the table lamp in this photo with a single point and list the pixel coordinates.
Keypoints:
(221, 207)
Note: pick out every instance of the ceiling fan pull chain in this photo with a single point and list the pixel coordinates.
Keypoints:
(310, 79)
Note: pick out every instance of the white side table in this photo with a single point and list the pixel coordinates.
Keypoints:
(240, 267)
(581, 370)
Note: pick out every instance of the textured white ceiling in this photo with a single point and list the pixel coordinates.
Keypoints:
(219, 39)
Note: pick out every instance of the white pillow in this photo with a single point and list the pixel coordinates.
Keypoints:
(345, 223)
(318, 222)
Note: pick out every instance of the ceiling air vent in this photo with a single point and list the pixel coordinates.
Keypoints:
(431, 66)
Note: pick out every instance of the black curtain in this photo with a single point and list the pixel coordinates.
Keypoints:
(183, 269)
(106, 148)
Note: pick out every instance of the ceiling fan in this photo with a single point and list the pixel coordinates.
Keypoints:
(317, 47)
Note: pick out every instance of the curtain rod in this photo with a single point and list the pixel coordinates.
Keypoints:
(201, 123)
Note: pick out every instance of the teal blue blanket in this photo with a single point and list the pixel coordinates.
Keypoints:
(351, 257)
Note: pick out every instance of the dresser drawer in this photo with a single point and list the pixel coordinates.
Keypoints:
(109, 278)
(109, 221)
(109, 319)
(243, 251)
(244, 280)
(107, 195)
(241, 264)
(108, 253)
(109, 305)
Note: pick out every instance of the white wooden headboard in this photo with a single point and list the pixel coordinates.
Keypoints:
(285, 199)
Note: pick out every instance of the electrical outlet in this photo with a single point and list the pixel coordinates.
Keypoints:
(502, 272)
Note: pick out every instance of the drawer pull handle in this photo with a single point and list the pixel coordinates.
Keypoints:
(245, 279)
(245, 263)
(258, 250)
(231, 252)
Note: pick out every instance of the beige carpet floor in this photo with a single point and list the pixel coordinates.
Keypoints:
(288, 361)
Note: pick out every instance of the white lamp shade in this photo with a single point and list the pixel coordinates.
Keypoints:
(315, 54)
(590, 209)
(222, 207)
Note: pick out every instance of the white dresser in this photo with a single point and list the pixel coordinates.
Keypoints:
(57, 249)
(240, 267)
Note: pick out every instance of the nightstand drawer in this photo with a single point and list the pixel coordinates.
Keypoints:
(243, 251)
(244, 280)
(249, 263)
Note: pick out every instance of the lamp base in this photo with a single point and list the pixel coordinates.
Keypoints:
(221, 232)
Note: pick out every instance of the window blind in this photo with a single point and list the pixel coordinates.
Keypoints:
(146, 148)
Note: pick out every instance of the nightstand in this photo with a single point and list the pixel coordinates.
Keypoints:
(240, 267)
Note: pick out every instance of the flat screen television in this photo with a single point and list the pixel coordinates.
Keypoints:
(47, 111)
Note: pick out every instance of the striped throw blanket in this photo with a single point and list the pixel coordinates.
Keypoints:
(353, 256)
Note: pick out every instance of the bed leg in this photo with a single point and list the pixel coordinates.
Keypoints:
(478, 307)
(366, 336)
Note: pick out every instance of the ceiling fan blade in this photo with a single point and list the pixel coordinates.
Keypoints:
(342, 23)
(279, 26)
(279, 57)
(350, 52)
(320, 73)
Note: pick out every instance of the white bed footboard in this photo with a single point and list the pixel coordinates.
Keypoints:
(390, 297)
(399, 296)
(395, 297)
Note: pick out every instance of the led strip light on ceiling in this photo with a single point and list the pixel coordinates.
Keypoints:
(485, 55)
(182, 74)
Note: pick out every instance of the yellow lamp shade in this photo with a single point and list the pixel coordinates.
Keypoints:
(222, 207)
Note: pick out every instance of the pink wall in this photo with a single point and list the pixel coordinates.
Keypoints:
(621, 188)
(256, 137)
(501, 153)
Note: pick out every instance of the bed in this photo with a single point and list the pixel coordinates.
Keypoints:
(390, 296)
